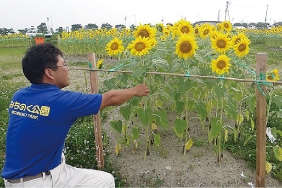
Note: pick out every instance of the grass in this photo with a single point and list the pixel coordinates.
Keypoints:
(80, 141)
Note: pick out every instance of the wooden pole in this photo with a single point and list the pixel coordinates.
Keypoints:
(261, 121)
(182, 75)
(96, 118)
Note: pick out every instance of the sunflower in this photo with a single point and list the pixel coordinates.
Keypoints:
(186, 46)
(204, 30)
(100, 63)
(145, 31)
(241, 49)
(221, 43)
(114, 47)
(220, 65)
(272, 75)
(184, 27)
(237, 38)
(226, 25)
(140, 46)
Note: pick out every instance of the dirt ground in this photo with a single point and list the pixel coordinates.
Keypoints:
(167, 166)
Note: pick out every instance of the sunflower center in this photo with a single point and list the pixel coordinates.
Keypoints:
(270, 77)
(221, 43)
(226, 25)
(206, 32)
(185, 29)
(185, 47)
(114, 46)
(139, 46)
(237, 40)
(242, 47)
(221, 64)
(144, 33)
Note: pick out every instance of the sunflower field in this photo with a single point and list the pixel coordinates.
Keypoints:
(167, 58)
(226, 109)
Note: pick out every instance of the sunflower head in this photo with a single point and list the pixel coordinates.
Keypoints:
(221, 43)
(221, 64)
(145, 31)
(226, 25)
(241, 49)
(184, 27)
(114, 47)
(272, 75)
(140, 46)
(100, 63)
(204, 30)
(186, 46)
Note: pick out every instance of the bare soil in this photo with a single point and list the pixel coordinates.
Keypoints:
(167, 166)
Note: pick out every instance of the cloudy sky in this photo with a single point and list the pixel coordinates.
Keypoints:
(20, 14)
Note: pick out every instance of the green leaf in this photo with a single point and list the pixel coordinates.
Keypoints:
(145, 115)
(125, 112)
(183, 85)
(117, 125)
(201, 110)
(161, 118)
(157, 139)
(248, 139)
(124, 78)
(268, 167)
(216, 127)
(179, 106)
(135, 132)
(277, 100)
(179, 127)
(219, 91)
(110, 84)
(278, 152)
(139, 71)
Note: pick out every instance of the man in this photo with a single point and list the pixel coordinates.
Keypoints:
(40, 117)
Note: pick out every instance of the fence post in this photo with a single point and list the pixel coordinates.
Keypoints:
(96, 118)
(261, 120)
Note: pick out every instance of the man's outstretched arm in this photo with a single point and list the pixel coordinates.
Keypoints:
(118, 97)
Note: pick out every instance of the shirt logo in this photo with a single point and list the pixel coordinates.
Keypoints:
(32, 109)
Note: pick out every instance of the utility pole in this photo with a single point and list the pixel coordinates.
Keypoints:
(266, 15)
(218, 15)
(227, 10)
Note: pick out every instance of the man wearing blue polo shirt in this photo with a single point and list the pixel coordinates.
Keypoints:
(40, 117)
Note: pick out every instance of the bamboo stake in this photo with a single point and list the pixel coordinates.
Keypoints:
(261, 122)
(184, 75)
(96, 118)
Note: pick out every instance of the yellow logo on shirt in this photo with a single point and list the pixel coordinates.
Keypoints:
(21, 108)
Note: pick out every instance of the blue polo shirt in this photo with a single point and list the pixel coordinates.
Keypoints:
(40, 117)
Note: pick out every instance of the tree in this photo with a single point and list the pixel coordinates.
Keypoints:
(42, 28)
(106, 26)
(91, 26)
(59, 30)
(5, 31)
(76, 27)
(132, 27)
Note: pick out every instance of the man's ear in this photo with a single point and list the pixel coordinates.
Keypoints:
(49, 73)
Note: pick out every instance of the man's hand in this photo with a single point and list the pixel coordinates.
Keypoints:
(141, 90)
